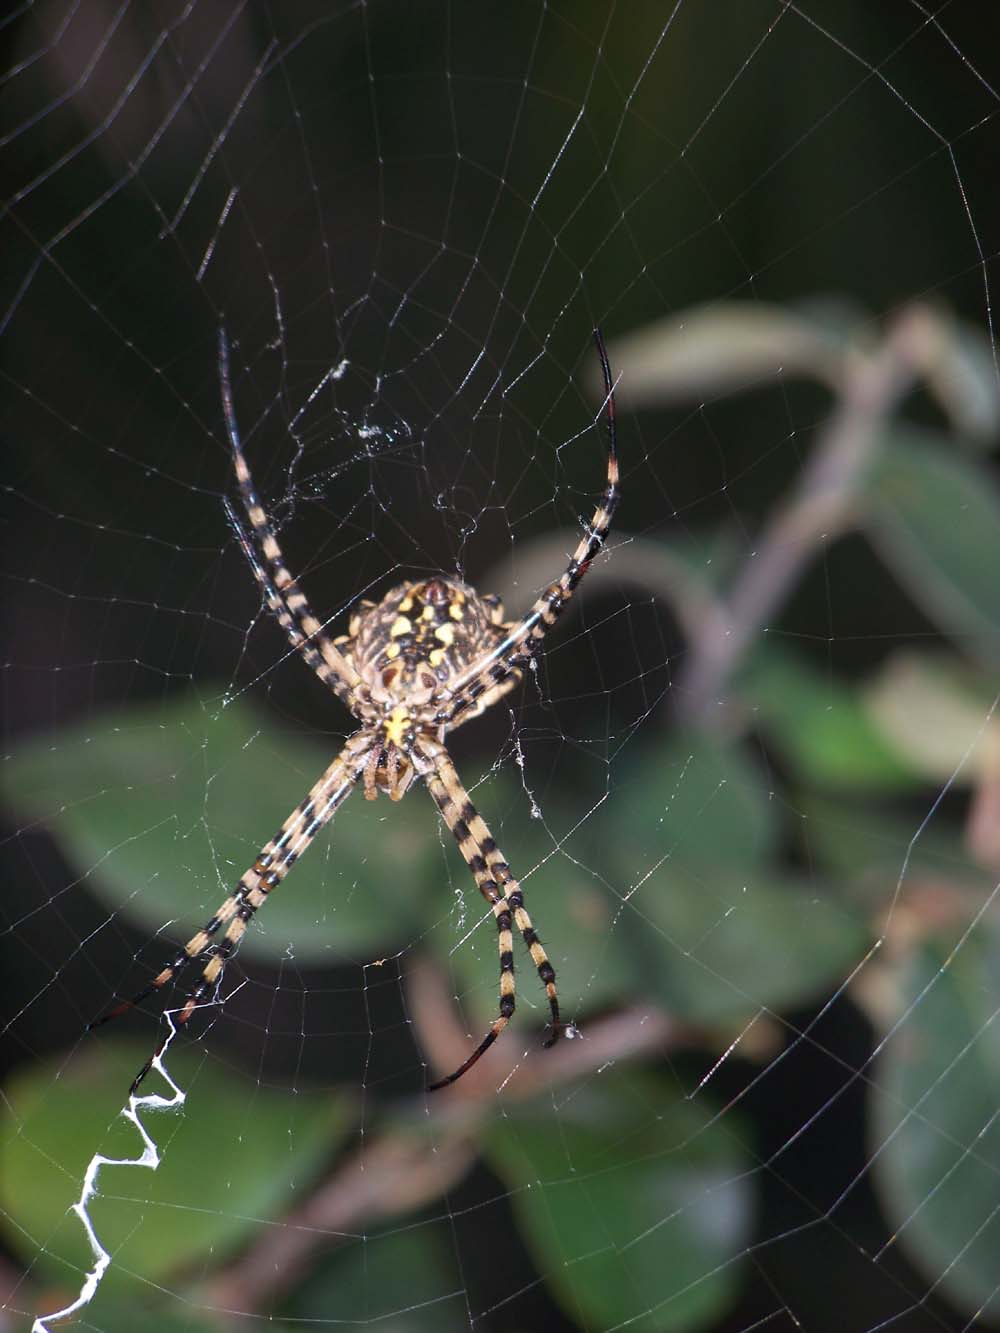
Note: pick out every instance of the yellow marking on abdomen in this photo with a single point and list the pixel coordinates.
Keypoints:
(398, 725)
(400, 626)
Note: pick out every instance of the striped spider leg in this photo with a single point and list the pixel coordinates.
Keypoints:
(424, 660)
(497, 885)
(285, 599)
(479, 687)
(270, 867)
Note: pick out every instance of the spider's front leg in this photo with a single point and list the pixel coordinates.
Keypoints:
(282, 593)
(497, 885)
(484, 680)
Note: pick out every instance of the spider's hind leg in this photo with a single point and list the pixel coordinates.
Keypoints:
(199, 947)
(196, 947)
(500, 889)
(270, 867)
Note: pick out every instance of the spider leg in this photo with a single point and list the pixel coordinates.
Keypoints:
(479, 705)
(272, 864)
(284, 598)
(524, 638)
(497, 885)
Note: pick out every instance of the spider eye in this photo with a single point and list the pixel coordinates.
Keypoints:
(388, 676)
(427, 680)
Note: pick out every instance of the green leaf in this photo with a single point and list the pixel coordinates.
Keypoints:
(405, 1281)
(720, 947)
(167, 1316)
(634, 1203)
(938, 713)
(686, 804)
(232, 1158)
(936, 1132)
(934, 516)
(162, 809)
(822, 728)
(716, 348)
(960, 371)
(705, 923)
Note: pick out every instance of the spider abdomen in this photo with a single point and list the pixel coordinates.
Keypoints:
(419, 638)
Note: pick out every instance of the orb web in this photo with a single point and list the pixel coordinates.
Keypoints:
(750, 783)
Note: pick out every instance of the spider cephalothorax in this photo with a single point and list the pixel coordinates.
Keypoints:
(427, 658)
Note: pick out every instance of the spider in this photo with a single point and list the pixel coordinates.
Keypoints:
(424, 660)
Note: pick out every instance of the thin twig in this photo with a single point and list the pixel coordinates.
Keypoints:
(393, 1173)
(820, 507)
(520, 1074)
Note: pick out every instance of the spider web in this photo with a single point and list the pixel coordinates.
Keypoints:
(750, 786)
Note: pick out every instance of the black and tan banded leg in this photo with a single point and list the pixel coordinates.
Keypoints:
(502, 681)
(235, 913)
(284, 598)
(497, 885)
(519, 646)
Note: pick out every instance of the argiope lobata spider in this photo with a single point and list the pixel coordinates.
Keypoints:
(425, 659)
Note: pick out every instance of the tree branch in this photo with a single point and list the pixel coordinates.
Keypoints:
(820, 506)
